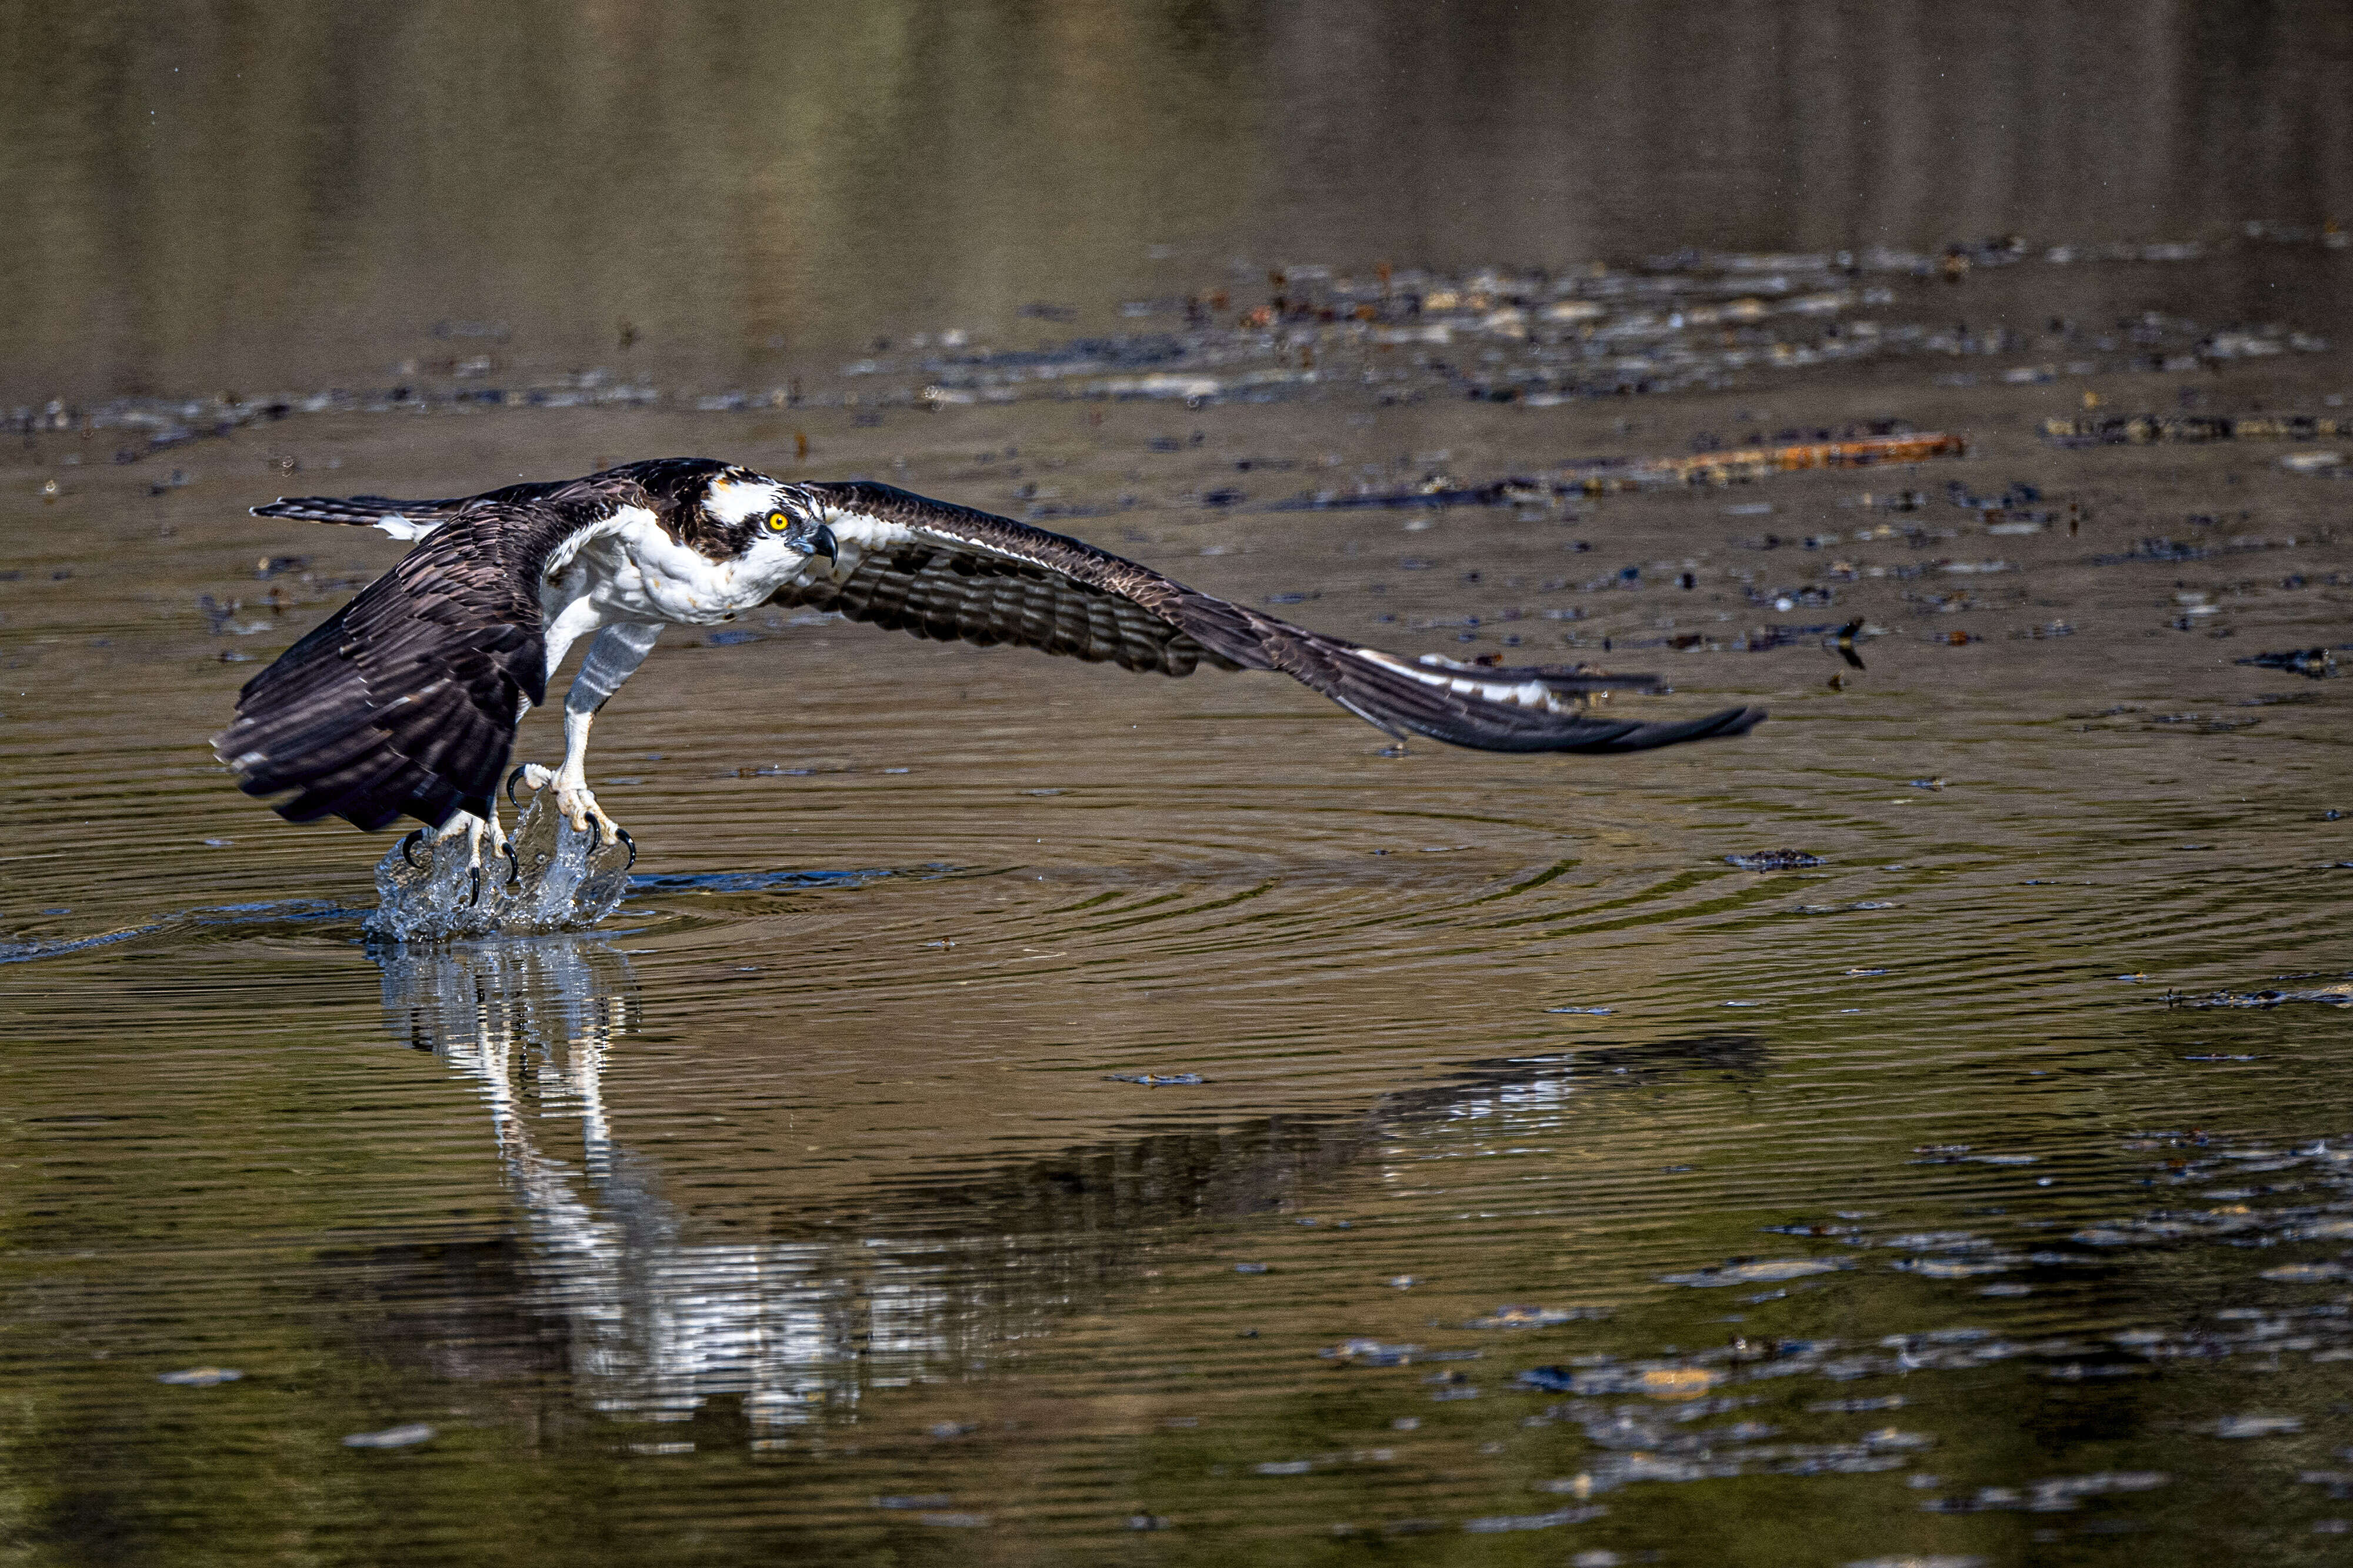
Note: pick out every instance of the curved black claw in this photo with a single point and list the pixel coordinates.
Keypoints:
(474, 887)
(511, 779)
(408, 850)
(514, 865)
(623, 835)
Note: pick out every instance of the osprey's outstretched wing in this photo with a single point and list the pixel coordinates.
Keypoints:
(950, 573)
(405, 699)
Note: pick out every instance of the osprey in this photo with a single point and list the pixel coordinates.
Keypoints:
(405, 701)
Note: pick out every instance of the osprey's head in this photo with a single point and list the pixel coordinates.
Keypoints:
(768, 525)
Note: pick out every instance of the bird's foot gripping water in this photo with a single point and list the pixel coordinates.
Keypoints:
(572, 798)
(469, 879)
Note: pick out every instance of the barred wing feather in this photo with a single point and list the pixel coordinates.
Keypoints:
(951, 572)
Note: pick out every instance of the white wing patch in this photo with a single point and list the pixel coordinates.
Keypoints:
(857, 534)
(626, 519)
(404, 528)
(1519, 693)
(865, 529)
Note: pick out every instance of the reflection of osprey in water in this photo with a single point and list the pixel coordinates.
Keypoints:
(405, 700)
(653, 1324)
(893, 1283)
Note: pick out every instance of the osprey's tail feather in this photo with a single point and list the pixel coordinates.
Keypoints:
(360, 511)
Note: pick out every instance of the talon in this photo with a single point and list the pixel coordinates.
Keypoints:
(474, 884)
(408, 848)
(623, 835)
(514, 865)
(520, 769)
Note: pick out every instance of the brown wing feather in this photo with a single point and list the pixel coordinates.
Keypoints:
(405, 701)
(949, 571)
(938, 590)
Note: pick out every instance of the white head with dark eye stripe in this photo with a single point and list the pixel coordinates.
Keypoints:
(737, 500)
(773, 528)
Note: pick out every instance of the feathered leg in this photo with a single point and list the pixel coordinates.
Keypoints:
(612, 658)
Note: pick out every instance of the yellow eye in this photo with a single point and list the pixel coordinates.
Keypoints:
(779, 522)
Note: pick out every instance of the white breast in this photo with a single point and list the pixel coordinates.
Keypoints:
(637, 572)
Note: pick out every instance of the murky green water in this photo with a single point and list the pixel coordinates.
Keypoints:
(1553, 1191)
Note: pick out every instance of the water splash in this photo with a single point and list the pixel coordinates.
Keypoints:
(560, 879)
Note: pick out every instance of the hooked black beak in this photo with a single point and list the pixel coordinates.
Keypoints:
(823, 542)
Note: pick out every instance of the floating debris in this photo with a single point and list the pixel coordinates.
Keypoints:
(1600, 475)
(2339, 996)
(1767, 1271)
(2316, 663)
(1642, 1448)
(1433, 491)
(1496, 1524)
(405, 1437)
(220, 618)
(2308, 1273)
(1774, 860)
(2146, 429)
(1516, 1316)
(1154, 1080)
(2061, 1494)
(1369, 1353)
(1960, 1268)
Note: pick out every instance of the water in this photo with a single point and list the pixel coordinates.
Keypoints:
(549, 876)
(1046, 1115)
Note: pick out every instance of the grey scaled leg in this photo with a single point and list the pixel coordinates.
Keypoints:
(613, 657)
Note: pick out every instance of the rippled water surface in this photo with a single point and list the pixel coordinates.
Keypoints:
(1037, 1114)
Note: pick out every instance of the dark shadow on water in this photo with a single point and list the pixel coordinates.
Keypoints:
(243, 918)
